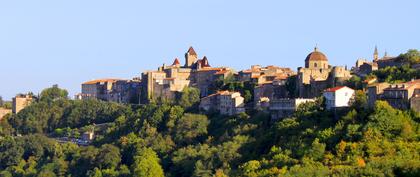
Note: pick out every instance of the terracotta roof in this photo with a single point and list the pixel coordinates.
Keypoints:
(281, 77)
(176, 62)
(221, 72)
(101, 80)
(334, 89)
(209, 69)
(316, 56)
(247, 71)
(191, 51)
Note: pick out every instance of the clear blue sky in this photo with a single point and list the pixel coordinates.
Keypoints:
(48, 42)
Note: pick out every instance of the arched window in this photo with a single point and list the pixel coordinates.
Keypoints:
(315, 65)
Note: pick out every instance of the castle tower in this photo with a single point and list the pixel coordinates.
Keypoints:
(375, 54)
(190, 57)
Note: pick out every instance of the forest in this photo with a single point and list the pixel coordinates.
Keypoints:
(162, 139)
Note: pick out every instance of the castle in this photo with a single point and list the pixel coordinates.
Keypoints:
(169, 80)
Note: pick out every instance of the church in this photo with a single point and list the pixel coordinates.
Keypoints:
(318, 75)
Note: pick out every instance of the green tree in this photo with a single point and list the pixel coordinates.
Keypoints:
(189, 127)
(108, 157)
(53, 93)
(147, 164)
(190, 97)
(412, 56)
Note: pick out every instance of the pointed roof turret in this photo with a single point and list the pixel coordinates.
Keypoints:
(176, 62)
(376, 50)
(205, 62)
(191, 51)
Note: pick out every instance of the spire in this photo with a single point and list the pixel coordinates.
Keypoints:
(191, 51)
(205, 62)
(375, 54)
(386, 54)
(176, 62)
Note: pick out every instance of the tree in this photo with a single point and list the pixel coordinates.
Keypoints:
(147, 164)
(189, 127)
(291, 86)
(1, 101)
(53, 93)
(189, 97)
(412, 56)
(387, 119)
(11, 152)
(108, 157)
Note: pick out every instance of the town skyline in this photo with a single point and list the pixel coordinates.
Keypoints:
(138, 75)
(120, 40)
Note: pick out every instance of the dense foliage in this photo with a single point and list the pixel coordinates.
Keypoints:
(169, 140)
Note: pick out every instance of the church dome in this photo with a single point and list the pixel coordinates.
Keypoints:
(316, 56)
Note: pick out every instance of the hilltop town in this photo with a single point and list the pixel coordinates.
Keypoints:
(279, 90)
(191, 118)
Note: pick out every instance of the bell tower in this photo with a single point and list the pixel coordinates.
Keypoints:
(375, 54)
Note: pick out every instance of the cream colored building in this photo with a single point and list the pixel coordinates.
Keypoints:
(20, 102)
(264, 75)
(225, 102)
(97, 89)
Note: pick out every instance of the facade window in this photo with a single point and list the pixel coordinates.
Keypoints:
(315, 65)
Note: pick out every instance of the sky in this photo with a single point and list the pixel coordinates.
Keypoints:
(47, 42)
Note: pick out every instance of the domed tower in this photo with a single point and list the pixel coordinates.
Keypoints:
(316, 60)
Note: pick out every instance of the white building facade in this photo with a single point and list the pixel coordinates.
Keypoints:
(338, 97)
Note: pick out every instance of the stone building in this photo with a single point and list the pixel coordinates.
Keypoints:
(4, 112)
(415, 101)
(399, 95)
(115, 90)
(20, 102)
(98, 89)
(374, 92)
(363, 67)
(167, 81)
(284, 107)
(125, 91)
(225, 102)
(318, 75)
(263, 75)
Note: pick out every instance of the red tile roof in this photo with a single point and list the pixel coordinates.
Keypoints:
(176, 62)
(221, 72)
(334, 89)
(101, 80)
